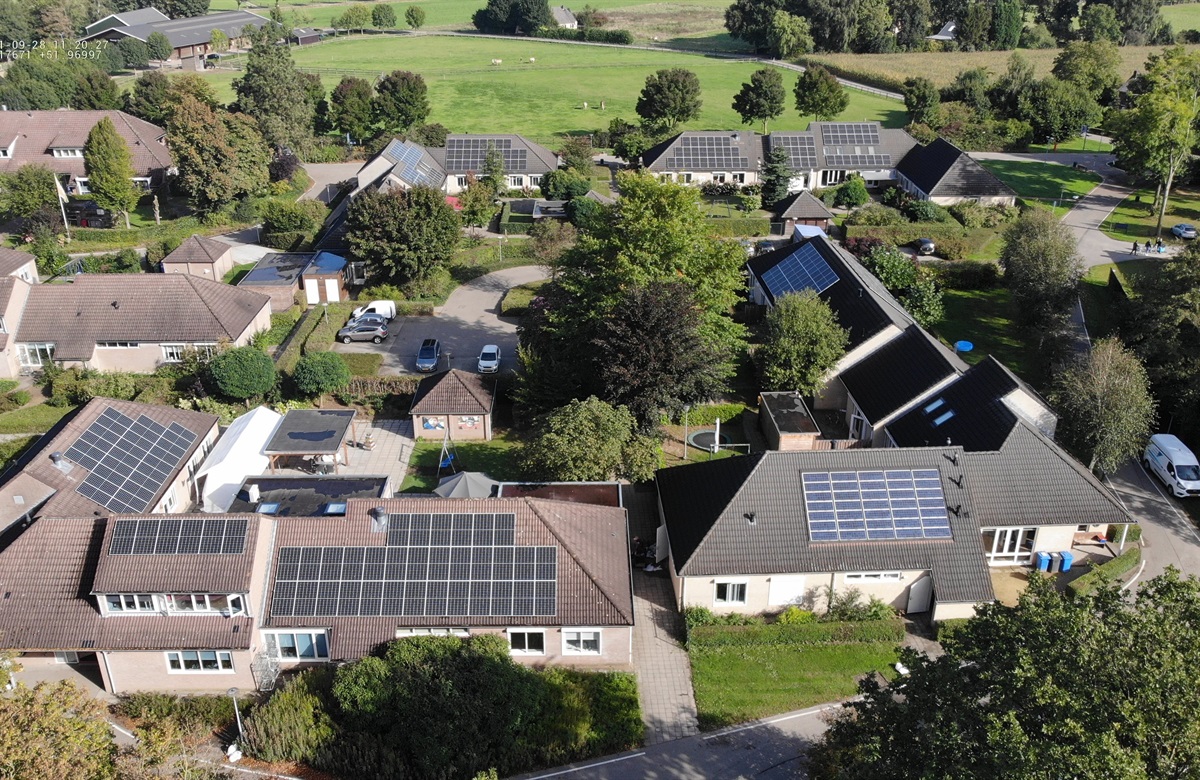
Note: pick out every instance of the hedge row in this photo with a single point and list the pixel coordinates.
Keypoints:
(869, 77)
(1114, 532)
(290, 355)
(736, 227)
(946, 628)
(953, 241)
(709, 413)
(797, 634)
(590, 34)
(1106, 573)
(383, 385)
(321, 338)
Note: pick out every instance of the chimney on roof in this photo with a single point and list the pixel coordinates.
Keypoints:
(56, 457)
(379, 520)
(60, 462)
(253, 494)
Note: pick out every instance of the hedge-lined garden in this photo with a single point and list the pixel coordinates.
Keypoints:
(371, 718)
(1106, 573)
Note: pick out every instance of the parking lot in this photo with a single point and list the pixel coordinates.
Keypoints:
(467, 322)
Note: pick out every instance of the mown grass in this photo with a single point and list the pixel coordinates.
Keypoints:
(496, 458)
(1135, 218)
(12, 449)
(33, 419)
(515, 302)
(545, 99)
(1185, 16)
(1076, 144)
(1098, 302)
(736, 684)
(236, 273)
(987, 318)
(1045, 184)
(363, 363)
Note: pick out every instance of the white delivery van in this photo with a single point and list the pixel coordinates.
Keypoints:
(382, 308)
(1171, 461)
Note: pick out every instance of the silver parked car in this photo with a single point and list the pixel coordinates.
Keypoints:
(367, 319)
(364, 332)
(1184, 230)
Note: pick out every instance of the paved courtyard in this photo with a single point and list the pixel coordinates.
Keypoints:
(393, 447)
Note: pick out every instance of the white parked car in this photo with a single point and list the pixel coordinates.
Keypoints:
(385, 309)
(489, 359)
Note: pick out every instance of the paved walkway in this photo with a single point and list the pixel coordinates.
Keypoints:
(664, 671)
(393, 447)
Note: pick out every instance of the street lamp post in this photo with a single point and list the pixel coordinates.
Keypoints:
(233, 692)
(1062, 195)
(686, 408)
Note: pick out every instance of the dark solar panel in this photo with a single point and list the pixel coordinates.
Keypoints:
(801, 149)
(708, 153)
(435, 565)
(409, 160)
(468, 154)
(853, 133)
(804, 269)
(847, 506)
(859, 160)
(168, 535)
(129, 460)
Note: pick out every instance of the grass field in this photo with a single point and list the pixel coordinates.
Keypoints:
(545, 99)
(1185, 16)
(741, 683)
(496, 458)
(1044, 183)
(38, 418)
(986, 318)
(942, 67)
(1076, 144)
(1136, 219)
(1097, 303)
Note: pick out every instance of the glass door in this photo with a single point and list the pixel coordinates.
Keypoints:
(1009, 546)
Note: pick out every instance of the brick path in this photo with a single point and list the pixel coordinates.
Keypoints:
(663, 670)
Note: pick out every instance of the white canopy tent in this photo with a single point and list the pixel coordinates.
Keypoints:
(237, 455)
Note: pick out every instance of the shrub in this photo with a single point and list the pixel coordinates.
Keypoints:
(191, 713)
(374, 391)
(718, 189)
(287, 359)
(19, 398)
(74, 386)
(287, 223)
(846, 605)
(126, 261)
(282, 324)
(926, 211)
(875, 215)
(946, 628)
(320, 373)
(242, 373)
(736, 227)
(797, 634)
(852, 192)
(590, 34)
(1106, 573)
(284, 167)
(708, 414)
(702, 616)
(969, 275)
(861, 247)
(1114, 532)
(794, 616)
(381, 292)
(294, 724)
(157, 250)
(895, 197)
(969, 213)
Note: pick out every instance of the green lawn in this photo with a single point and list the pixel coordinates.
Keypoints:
(545, 99)
(236, 273)
(1136, 218)
(741, 683)
(496, 458)
(1076, 144)
(33, 419)
(986, 319)
(516, 301)
(1044, 183)
(1097, 303)
(1185, 16)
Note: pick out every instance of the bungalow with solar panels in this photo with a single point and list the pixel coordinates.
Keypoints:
(205, 602)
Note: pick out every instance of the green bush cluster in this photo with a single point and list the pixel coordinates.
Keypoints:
(370, 718)
(819, 633)
(695, 617)
(875, 215)
(709, 413)
(14, 400)
(847, 605)
(795, 616)
(953, 242)
(125, 261)
(946, 628)
(287, 359)
(192, 713)
(289, 223)
(1113, 534)
(968, 275)
(737, 227)
(321, 372)
(76, 386)
(972, 214)
(1106, 573)
(282, 324)
(589, 34)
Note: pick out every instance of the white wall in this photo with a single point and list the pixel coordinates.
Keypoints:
(1054, 538)
(833, 394)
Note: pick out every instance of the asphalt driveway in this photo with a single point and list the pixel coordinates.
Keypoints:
(1169, 536)
(469, 320)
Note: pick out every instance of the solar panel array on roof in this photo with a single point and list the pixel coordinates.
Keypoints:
(179, 536)
(129, 460)
(802, 149)
(881, 160)
(848, 506)
(803, 269)
(467, 154)
(408, 158)
(708, 152)
(854, 133)
(437, 565)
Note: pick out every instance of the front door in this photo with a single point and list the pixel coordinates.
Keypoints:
(1009, 546)
(920, 593)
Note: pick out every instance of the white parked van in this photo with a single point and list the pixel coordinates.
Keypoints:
(382, 308)
(1171, 461)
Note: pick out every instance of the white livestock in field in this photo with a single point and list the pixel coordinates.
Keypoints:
(497, 62)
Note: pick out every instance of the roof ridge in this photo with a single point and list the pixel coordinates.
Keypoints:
(459, 374)
(762, 456)
(533, 503)
(203, 297)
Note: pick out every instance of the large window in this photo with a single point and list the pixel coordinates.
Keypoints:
(581, 641)
(525, 641)
(874, 576)
(35, 355)
(205, 602)
(68, 152)
(117, 344)
(173, 353)
(129, 602)
(199, 662)
(516, 181)
(731, 593)
(1008, 546)
(300, 645)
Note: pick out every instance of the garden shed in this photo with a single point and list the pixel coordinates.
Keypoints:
(324, 279)
(454, 404)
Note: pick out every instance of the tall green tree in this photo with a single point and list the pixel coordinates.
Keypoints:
(873, 26)
(589, 441)
(405, 236)
(576, 153)
(477, 202)
(671, 96)
(242, 373)
(95, 90)
(414, 17)
(183, 9)
(1094, 66)
(401, 101)
(1137, 18)
(1008, 18)
(218, 40)
(320, 373)
(110, 170)
(1099, 23)
(831, 22)
(789, 36)
(1105, 407)
(383, 17)
(912, 20)
(678, 364)
(1060, 109)
(134, 53)
(1006, 699)
(971, 86)
(1041, 268)
(922, 99)
(350, 106)
(1010, 95)
(761, 99)
(819, 95)
(751, 21)
(273, 93)
(975, 30)
(493, 173)
(803, 341)
(159, 46)
(220, 157)
(776, 176)
(356, 17)
(27, 191)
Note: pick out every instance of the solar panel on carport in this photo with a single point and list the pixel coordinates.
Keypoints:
(803, 269)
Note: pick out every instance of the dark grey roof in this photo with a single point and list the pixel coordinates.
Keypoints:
(277, 269)
(861, 304)
(896, 374)
(126, 19)
(942, 170)
(1031, 481)
(467, 484)
(789, 412)
(706, 150)
(982, 421)
(454, 392)
(705, 507)
(563, 16)
(843, 146)
(189, 31)
(310, 431)
(304, 496)
(802, 205)
(412, 164)
(464, 154)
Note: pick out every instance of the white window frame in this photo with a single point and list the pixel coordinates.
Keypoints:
(4, 153)
(117, 344)
(177, 658)
(579, 633)
(67, 151)
(173, 353)
(405, 633)
(516, 182)
(535, 181)
(739, 178)
(874, 576)
(687, 177)
(3, 324)
(512, 632)
(143, 182)
(43, 353)
(720, 177)
(317, 638)
(130, 603)
(461, 181)
(82, 184)
(202, 604)
(717, 600)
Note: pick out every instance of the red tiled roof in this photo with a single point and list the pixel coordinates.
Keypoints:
(453, 392)
(594, 586)
(37, 132)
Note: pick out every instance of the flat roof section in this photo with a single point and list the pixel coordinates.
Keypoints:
(277, 268)
(297, 496)
(789, 412)
(310, 432)
(598, 493)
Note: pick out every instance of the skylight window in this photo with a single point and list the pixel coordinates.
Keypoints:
(943, 418)
(935, 405)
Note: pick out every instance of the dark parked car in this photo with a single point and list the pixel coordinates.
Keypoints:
(429, 356)
(924, 246)
(364, 332)
(85, 213)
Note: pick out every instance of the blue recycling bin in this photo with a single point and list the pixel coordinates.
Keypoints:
(1055, 562)
(1067, 560)
(1043, 561)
